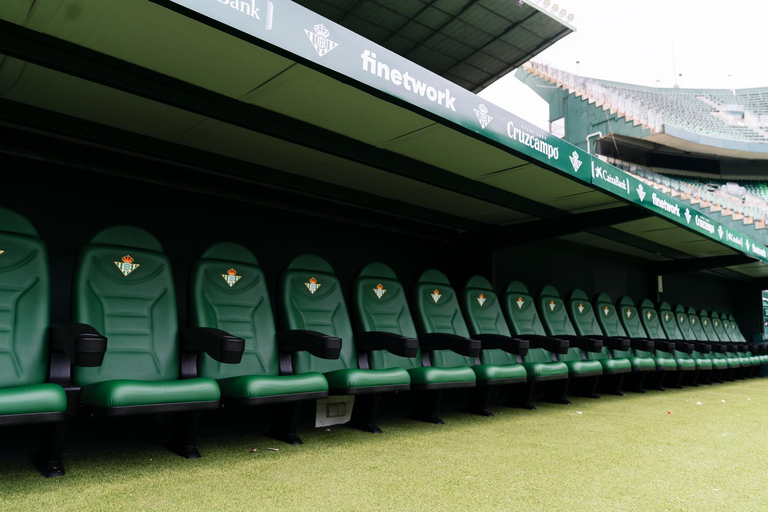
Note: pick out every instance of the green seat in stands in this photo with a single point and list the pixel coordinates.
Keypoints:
(662, 326)
(228, 292)
(754, 349)
(637, 321)
(124, 290)
(445, 338)
(637, 354)
(381, 313)
(500, 350)
(554, 316)
(25, 396)
(312, 306)
(681, 329)
(544, 370)
(722, 366)
(735, 361)
(704, 349)
(742, 350)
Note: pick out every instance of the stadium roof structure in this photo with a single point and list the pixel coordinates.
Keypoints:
(472, 43)
(713, 122)
(269, 102)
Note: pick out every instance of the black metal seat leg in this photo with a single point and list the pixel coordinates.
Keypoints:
(522, 395)
(364, 413)
(479, 401)
(48, 460)
(556, 391)
(184, 435)
(285, 422)
(427, 406)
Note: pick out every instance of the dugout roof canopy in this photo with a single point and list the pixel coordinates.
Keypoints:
(267, 101)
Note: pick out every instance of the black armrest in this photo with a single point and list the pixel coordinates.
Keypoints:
(583, 342)
(683, 346)
(642, 344)
(665, 346)
(316, 343)
(556, 346)
(614, 343)
(702, 347)
(459, 344)
(82, 344)
(395, 343)
(218, 344)
(508, 344)
(718, 347)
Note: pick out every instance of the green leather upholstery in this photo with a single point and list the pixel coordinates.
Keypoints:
(585, 323)
(690, 327)
(311, 299)
(643, 322)
(609, 320)
(438, 310)
(522, 318)
(228, 291)
(702, 328)
(123, 287)
(556, 322)
(736, 337)
(734, 361)
(671, 329)
(757, 360)
(24, 319)
(380, 305)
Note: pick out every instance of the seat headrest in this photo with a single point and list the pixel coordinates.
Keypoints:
(646, 304)
(730, 317)
(12, 222)
(577, 294)
(516, 287)
(714, 314)
(127, 236)
(377, 270)
(664, 306)
(433, 276)
(310, 263)
(229, 251)
(548, 291)
(703, 313)
(690, 311)
(479, 283)
(602, 298)
(679, 308)
(626, 301)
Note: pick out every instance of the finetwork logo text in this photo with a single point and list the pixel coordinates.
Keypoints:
(409, 83)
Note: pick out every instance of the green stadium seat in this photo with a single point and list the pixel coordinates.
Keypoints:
(444, 335)
(699, 326)
(756, 350)
(663, 326)
(124, 290)
(485, 320)
(752, 362)
(228, 296)
(722, 365)
(545, 372)
(641, 323)
(312, 310)
(689, 326)
(642, 360)
(741, 349)
(735, 361)
(383, 319)
(585, 324)
(585, 374)
(25, 396)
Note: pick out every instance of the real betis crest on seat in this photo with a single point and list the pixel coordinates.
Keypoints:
(552, 305)
(379, 290)
(520, 302)
(606, 310)
(231, 277)
(581, 307)
(312, 285)
(2, 252)
(648, 315)
(127, 265)
(436, 295)
(481, 299)
(629, 313)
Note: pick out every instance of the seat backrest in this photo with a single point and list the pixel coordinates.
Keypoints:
(652, 322)
(123, 287)
(482, 309)
(582, 315)
(379, 305)
(520, 311)
(727, 327)
(683, 324)
(608, 317)
(630, 318)
(696, 325)
(24, 302)
(311, 299)
(717, 323)
(555, 319)
(228, 291)
(437, 309)
(707, 326)
(736, 333)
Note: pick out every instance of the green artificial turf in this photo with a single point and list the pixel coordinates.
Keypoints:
(618, 453)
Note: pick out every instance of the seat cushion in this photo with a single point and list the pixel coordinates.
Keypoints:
(257, 386)
(350, 378)
(719, 364)
(544, 371)
(641, 364)
(126, 393)
(425, 375)
(33, 399)
(685, 364)
(703, 363)
(584, 368)
(618, 365)
(665, 364)
(744, 360)
(755, 360)
(491, 372)
(734, 362)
